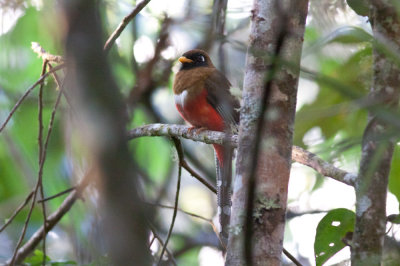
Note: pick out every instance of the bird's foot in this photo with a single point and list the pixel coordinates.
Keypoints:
(198, 129)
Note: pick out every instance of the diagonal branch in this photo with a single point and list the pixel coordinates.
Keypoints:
(18, 210)
(146, 82)
(157, 236)
(123, 24)
(28, 91)
(324, 168)
(198, 177)
(52, 220)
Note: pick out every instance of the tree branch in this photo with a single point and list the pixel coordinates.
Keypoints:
(45, 55)
(179, 150)
(146, 82)
(40, 145)
(198, 177)
(100, 104)
(166, 130)
(28, 91)
(324, 168)
(20, 207)
(155, 234)
(214, 137)
(52, 220)
(123, 24)
(42, 159)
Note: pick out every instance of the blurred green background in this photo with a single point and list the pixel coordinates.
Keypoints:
(330, 122)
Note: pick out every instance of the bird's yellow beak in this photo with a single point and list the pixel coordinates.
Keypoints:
(184, 59)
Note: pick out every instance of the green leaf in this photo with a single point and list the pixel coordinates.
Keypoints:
(361, 7)
(332, 111)
(330, 232)
(349, 35)
(58, 263)
(344, 35)
(36, 258)
(394, 218)
(394, 177)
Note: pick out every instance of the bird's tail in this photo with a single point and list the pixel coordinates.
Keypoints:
(223, 162)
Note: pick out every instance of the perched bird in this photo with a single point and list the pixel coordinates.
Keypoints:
(203, 99)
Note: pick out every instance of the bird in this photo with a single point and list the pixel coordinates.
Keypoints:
(203, 99)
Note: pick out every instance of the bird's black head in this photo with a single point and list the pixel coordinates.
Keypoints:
(195, 58)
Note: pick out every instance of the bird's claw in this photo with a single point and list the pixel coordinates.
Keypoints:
(198, 129)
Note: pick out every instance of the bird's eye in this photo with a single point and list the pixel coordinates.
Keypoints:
(201, 58)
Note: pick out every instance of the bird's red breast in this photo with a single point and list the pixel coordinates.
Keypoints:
(202, 95)
(199, 113)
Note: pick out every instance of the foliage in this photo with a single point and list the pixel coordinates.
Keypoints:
(394, 178)
(361, 7)
(339, 59)
(37, 259)
(331, 232)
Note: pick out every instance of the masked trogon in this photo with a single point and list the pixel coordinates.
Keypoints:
(203, 99)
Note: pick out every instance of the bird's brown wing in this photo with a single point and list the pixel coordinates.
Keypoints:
(218, 96)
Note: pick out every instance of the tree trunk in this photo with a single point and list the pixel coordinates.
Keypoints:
(277, 30)
(377, 149)
(103, 121)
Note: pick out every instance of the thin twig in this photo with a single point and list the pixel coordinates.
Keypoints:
(179, 209)
(193, 215)
(21, 238)
(40, 113)
(198, 177)
(66, 96)
(45, 55)
(39, 81)
(151, 241)
(153, 230)
(51, 58)
(20, 207)
(123, 24)
(39, 176)
(179, 150)
(145, 82)
(57, 195)
(291, 257)
(287, 253)
(40, 157)
(292, 214)
(52, 219)
(188, 213)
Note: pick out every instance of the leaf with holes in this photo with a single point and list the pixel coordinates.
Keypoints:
(331, 231)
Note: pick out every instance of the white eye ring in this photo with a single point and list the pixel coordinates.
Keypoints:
(202, 59)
